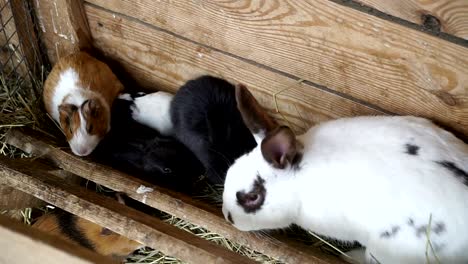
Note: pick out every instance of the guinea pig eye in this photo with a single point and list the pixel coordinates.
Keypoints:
(167, 170)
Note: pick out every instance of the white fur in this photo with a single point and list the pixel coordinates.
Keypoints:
(68, 91)
(153, 110)
(355, 182)
(126, 97)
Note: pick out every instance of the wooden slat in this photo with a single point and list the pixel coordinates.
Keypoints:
(452, 14)
(64, 26)
(25, 176)
(12, 65)
(159, 60)
(386, 64)
(27, 37)
(175, 204)
(22, 244)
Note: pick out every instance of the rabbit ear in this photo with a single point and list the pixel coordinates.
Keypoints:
(280, 147)
(254, 116)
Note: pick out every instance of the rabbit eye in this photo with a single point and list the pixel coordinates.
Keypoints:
(251, 197)
(167, 170)
(253, 200)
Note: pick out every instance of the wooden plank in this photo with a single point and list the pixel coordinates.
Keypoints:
(22, 244)
(170, 202)
(25, 176)
(159, 60)
(403, 70)
(12, 64)
(27, 37)
(64, 26)
(450, 16)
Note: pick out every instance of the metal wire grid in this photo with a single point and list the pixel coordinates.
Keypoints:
(20, 58)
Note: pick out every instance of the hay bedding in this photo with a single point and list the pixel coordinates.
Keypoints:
(20, 106)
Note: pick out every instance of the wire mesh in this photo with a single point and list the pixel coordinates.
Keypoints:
(21, 61)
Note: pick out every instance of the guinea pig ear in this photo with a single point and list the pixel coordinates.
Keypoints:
(91, 108)
(280, 147)
(253, 114)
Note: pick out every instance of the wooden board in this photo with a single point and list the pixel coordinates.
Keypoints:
(158, 60)
(170, 202)
(23, 244)
(386, 64)
(13, 62)
(452, 15)
(63, 25)
(28, 40)
(24, 175)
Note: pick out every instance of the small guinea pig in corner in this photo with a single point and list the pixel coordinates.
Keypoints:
(207, 121)
(87, 234)
(142, 151)
(78, 94)
(386, 182)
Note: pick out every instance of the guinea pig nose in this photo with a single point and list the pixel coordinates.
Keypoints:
(82, 152)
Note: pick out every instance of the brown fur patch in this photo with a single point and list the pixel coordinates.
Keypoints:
(253, 114)
(69, 120)
(112, 244)
(96, 117)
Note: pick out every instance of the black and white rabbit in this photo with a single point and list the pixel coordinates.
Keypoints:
(142, 151)
(207, 121)
(397, 185)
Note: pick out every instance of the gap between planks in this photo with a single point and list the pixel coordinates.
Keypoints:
(451, 15)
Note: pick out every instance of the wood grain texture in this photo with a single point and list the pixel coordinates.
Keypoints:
(64, 27)
(23, 244)
(170, 202)
(28, 40)
(452, 14)
(386, 64)
(105, 211)
(161, 61)
(13, 62)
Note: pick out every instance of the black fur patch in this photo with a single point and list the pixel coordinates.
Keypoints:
(438, 228)
(411, 149)
(454, 169)
(258, 192)
(230, 218)
(67, 224)
(391, 233)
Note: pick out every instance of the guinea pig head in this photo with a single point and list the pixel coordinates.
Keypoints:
(258, 188)
(84, 125)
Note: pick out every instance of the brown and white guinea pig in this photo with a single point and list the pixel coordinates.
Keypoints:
(78, 93)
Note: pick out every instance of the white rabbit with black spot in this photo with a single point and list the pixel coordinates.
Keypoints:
(396, 185)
